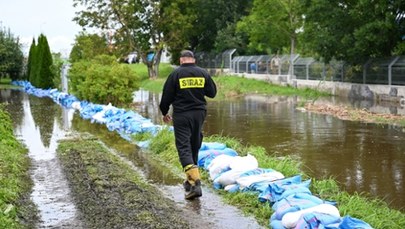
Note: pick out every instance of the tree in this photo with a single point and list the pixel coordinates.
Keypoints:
(135, 25)
(273, 25)
(45, 68)
(11, 56)
(353, 31)
(103, 80)
(215, 17)
(30, 60)
(181, 17)
(41, 72)
(87, 46)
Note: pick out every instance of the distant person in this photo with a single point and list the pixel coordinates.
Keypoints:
(262, 67)
(185, 89)
(253, 67)
(275, 65)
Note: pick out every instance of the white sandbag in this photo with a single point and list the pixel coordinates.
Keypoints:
(248, 180)
(228, 177)
(231, 187)
(248, 162)
(76, 106)
(238, 166)
(219, 164)
(290, 219)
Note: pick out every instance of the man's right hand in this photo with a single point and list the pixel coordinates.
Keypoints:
(167, 118)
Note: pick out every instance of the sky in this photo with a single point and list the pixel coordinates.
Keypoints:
(27, 19)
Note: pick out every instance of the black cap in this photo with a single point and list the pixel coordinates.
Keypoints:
(187, 53)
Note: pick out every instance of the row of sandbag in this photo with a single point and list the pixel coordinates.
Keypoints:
(293, 203)
(116, 119)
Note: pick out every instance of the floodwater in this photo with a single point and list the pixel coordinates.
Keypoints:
(361, 157)
(40, 123)
(36, 124)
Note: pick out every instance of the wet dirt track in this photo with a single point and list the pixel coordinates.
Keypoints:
(40, 124)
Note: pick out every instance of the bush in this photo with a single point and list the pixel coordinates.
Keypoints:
(103, 80)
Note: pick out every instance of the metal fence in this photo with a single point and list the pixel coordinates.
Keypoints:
(212, 60)
(386, 71)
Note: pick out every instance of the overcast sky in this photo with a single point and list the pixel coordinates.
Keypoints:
(27, 19)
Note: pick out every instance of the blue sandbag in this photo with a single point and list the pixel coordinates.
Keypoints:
(316, 220)
(206, 156)
(293, 203)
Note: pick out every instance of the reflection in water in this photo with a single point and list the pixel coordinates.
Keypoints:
(362, 157)
(43, 113)
(50, 191)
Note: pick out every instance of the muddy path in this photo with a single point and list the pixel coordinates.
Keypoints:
(109, 194)
(209, 211)
(90, 189)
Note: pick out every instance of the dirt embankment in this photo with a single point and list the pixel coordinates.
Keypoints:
(363, 115)
(109, 194)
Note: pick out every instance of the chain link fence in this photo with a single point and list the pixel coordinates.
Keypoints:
(385, 71)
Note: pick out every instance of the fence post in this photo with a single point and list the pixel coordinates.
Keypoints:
(365, 70)
(390, 70)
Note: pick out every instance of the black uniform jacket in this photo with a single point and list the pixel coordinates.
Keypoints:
(185, 89)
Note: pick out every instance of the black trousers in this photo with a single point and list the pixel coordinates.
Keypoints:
(188, 134)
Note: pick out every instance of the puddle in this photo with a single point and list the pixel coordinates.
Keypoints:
(50, 192)
(210, 211)
(40, 123)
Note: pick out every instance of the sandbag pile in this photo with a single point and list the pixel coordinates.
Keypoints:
(124, 122)
(293, 203)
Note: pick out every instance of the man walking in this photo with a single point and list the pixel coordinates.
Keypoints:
(185, 89)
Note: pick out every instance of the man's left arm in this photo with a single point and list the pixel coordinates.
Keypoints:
(210, 88)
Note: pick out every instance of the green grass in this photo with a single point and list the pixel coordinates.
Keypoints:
(5, 83)
(371, 210)
(228, 86)
(235, 86)
(152, 85)
(14, 179)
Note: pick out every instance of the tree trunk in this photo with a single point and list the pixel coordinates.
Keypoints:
(291, 70)
(153, 66)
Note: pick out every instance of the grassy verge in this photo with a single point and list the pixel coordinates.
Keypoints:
(228, 86)
(16, 209)
(152, 85)
(373, 211)
(6, 83)
(109, 193)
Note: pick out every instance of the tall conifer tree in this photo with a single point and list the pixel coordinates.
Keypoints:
(40, 64)
(30, 61)
(45, 68)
